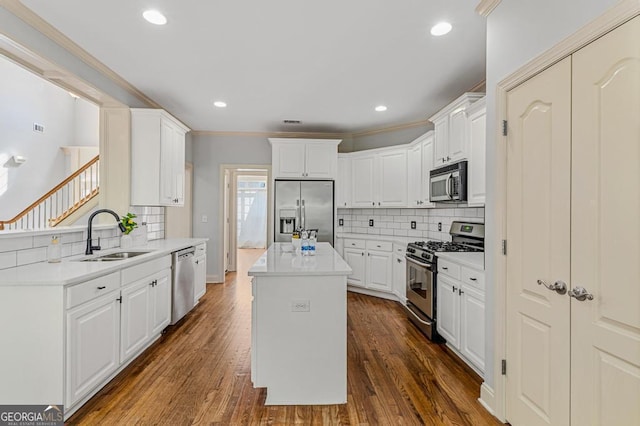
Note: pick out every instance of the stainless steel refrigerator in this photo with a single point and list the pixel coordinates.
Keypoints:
(306, 204)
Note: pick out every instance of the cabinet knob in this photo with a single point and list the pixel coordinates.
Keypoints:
(378, 202)
(399, 260)
(373, 203)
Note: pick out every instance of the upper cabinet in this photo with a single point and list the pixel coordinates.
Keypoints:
(450, 124)
(343, 182)
(419, 163)
(379, 178)
(157, 158)
(304, 158)
(476, 131)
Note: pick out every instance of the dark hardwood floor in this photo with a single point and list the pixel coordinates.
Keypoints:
(199, 372)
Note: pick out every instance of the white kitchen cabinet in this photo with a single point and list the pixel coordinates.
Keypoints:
(379, 178)
(427, 165)
(200, 263)
(343, 182)
(160, 302)
(93, 345)
(304, 158)
(371, 262)
(450, 125)
(157, 158)
(339, 246)
(476, 131)
(136, 313)
(461, 311)
(355, 258)
(400, 274)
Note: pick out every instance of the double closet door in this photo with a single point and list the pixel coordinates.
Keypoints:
(573, 232)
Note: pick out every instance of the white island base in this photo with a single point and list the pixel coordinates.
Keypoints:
(299, 326)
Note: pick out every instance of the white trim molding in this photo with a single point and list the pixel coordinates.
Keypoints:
(609, 20)
(487, 398)
(485, 7)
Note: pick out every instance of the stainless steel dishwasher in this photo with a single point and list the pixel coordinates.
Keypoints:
(183, 283)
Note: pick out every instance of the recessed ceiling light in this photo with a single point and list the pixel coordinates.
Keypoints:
(441, 28)
(154, 17)
(220, 104)
(381, 108)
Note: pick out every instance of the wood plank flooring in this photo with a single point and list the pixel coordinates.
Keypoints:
(199, 372)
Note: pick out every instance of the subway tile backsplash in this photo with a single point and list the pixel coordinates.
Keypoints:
(17, 249)
(398, 221)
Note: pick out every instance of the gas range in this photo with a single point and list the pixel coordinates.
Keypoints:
(465, 237)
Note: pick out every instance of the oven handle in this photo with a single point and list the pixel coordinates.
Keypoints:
(415, 315)
(427, 266)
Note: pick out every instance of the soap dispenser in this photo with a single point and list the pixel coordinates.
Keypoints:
(54, 251)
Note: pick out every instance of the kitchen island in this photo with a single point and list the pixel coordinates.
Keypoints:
(299, 326)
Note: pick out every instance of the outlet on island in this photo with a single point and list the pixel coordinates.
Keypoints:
(370, 222)
(300, 306)
(413, 224)
(439, 226)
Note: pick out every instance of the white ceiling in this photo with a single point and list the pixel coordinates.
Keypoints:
(327, 63)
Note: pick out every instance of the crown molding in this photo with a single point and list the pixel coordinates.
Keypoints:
(480, 87)
(390, 128)
(306, 135)
(486, 7)
(35, 21)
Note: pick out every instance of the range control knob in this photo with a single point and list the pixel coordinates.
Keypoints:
(425, 255)
(410, 250)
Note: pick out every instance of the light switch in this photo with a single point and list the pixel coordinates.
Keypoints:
(205, 219)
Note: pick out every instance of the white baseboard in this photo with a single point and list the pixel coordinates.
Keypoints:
(487, 398)
(214, 279)
(368, 292)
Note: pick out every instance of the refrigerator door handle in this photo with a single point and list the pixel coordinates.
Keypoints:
(304, 214)
(298, 217)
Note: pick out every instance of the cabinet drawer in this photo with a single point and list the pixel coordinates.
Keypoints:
(201, 249)
(449, 268)
(349, 243)
(81, 293)
(399, 249)
(379, 245)
(143, 270)
(472, 277)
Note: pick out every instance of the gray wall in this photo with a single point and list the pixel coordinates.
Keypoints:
(209, 153)
(397, 137)
(518, 31)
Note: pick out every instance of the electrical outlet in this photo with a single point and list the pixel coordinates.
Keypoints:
(340, 222)
(205, 219)
(38, 128)
(370, 222)
(300, 306)
(413, 224)
(439, 226)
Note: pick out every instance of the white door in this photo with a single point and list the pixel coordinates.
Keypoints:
(379, 270)
(167, 176)
(605, 219)
(362, 183)
(457, 135)
(93, 343)
(538, 235)
(177, 220)
(441, 143)
(427, 165)
(160, 302)
(355, 259)
(414, 176)
(320, 160)
(134, 328)
(472, 317)
(290, 160)
(178, 165)
(477, 129)
(392, 174)
(227, 222)
(343, 183)
(448, 308)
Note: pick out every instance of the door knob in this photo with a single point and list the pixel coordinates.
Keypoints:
(559, 287)
(580, 293)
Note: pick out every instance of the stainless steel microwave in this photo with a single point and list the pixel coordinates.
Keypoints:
(449, 183)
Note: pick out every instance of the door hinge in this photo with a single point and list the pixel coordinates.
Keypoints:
(504, 127)
(504, 247)
(504, 367)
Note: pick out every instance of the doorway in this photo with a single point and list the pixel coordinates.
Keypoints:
(247, 213)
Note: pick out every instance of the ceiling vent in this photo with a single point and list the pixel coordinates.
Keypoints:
(291, 121)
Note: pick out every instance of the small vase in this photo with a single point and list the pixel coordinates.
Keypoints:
(126, 241)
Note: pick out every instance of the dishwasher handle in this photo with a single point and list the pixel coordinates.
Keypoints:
(184, 254)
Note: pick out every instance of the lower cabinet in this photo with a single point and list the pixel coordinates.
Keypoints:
(200, 263)
(371, 262)
(93, 344)
(400, 273)
(461, 311)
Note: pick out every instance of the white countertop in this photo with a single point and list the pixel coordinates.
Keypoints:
(472, 260)
(281, 259)
(71, 271)
(393, 238)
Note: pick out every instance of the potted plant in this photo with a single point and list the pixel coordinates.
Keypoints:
(129, 225)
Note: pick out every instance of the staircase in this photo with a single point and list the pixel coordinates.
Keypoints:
(62, 201)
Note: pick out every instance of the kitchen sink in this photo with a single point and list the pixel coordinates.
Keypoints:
(119, 255)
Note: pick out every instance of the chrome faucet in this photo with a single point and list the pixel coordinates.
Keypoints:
(90, 247)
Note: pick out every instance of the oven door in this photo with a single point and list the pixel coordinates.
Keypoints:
(420, 282)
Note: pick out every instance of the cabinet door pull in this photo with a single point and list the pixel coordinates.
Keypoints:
(445, 268)
(399, 260)
(473, 279)
(102, 287)
(460, 292)
(454, 289)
